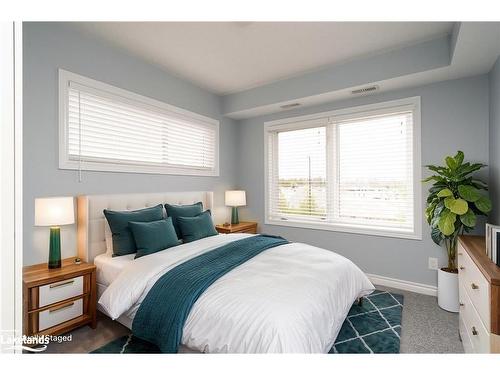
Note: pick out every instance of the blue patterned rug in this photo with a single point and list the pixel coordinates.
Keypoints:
(372, 327)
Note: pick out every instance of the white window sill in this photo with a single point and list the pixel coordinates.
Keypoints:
(346, 228)
(132, 168)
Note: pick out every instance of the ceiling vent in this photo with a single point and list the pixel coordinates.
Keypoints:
(365, 90)
(288, 106)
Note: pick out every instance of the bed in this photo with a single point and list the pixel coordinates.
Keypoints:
(292, 298)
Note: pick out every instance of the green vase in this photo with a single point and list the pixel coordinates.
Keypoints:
(55, 248)
(234, 216)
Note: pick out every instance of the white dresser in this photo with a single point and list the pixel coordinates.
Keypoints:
(479, 291)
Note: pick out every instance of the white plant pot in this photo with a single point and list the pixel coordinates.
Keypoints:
(448, 291)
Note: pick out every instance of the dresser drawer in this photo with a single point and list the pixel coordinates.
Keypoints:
(464, 336)
(60, 291)
(472, 325)
(475, 285)
(58, 315)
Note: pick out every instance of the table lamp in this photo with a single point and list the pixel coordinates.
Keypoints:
(53, 212)
(234, 199)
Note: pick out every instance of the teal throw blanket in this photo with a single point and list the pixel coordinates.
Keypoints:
(161, 316)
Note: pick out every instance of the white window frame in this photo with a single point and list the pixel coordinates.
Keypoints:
(370, 109)
(147, 103)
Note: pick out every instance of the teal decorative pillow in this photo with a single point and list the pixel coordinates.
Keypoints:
(123, 240)
(196, 227)
(188, 210)
(153, 236)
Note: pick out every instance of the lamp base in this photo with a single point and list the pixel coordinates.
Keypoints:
(234, 216)
(55, 248)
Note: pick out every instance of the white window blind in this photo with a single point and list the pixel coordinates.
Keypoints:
(104, 130)
(375, 171)
(353, 172)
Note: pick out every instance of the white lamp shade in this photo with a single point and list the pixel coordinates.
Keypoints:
(54, 211)
(236, 198)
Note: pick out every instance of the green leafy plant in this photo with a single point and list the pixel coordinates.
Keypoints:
(454, 202)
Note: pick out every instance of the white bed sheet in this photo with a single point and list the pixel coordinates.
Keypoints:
(108, 267)
(291, 298)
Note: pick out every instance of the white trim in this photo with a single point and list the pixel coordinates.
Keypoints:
(7, 188)
(18, 178)
(11, 187)
(373, 108)
(429, 290)
(134, 168)
(317, 119)
(65, 162)
(346, 228)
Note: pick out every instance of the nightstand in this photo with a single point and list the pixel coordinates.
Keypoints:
(58, 300)
(242, 227)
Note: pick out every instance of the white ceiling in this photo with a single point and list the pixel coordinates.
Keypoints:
(476, 50)
(227, 57)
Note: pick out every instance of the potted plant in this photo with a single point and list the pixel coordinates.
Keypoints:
(453, 204)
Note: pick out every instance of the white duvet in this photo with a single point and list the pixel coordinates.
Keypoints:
(290, 298)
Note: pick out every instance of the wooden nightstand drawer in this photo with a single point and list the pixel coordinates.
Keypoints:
(60, 291)
(252, 231)
(57, 315)
(57, 300)
(242, 227)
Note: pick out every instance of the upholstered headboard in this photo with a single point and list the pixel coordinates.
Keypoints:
(91, 220)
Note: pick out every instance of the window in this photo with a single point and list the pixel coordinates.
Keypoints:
(105, 128)
(354, 170)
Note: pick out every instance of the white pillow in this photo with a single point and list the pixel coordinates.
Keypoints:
(109, 238)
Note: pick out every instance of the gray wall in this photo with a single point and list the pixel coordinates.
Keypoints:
(49, 46)
(454, 116)
(494, 77)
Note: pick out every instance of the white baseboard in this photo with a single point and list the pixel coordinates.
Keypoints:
(410, 286)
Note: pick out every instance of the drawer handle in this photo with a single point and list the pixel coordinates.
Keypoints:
(52, 286)
(61, 308)
(462, 268)
(461, 304)
(460, 254)
(474, 286)
(474, 331)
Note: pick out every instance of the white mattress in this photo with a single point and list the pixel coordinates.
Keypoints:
(109, 267)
